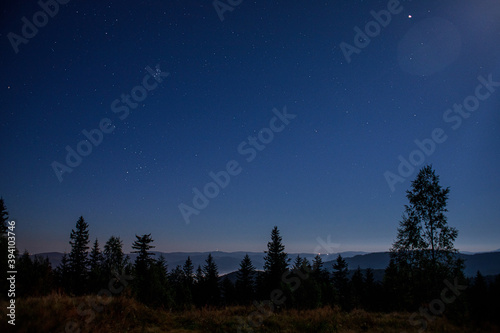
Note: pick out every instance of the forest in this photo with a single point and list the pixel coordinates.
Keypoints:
(424, 283)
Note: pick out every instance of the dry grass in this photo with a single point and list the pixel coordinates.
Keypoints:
(120, 314)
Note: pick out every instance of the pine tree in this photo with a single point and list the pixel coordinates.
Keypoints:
(96, 261)
(114, 259)
(142, 247)
(211, 281)
(188, 270)
(198, 287)
(358, 291)
(63, 274)
(228, 292)
(4, 217)
(180, 287)
(245, 283)
(4, 249)
(159, 283)
(276, 261)
(78, 258)
(143, 268)
(340, 282)
(35, 276)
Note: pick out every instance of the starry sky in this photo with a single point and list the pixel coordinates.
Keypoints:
(185, 88)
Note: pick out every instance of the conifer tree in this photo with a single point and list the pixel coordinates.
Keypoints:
(4, 216)
(78, 257)
(211, 281)
(114, 259)
(341, 281)
(275, 262)
(96, 261)
(245, 283)
(4, 249)
(143, 268)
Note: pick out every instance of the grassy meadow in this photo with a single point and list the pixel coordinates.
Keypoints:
(59, 313)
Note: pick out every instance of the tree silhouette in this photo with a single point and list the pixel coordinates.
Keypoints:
(341, 281)
(4, 248)
(424, 252)
(4, 217)
(96, 260)
(143, 269)
(114, 259)
(211, 281)
(245, 283)
(275, 261)
(78, 258)
(142, 247)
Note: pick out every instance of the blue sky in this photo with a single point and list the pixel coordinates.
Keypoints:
(322, 175)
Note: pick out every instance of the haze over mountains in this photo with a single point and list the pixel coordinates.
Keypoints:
(488, 263)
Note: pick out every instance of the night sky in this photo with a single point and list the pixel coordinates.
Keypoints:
(310, 122)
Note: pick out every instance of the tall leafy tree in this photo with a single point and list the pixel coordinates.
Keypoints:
(245, 283)
(78, 257)
(424, 251)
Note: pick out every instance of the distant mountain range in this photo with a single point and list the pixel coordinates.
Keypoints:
(487, 263)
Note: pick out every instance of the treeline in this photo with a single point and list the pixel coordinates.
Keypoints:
(424, 276)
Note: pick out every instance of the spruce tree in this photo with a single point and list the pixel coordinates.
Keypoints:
(4, 249)
(143, 269)
(142, 246)
(78, 257)
(114, 259)
(341, 282)
(188, 269)
(211, 281)
(96, 261)
(4, 217)
(275, 262)
(245, 283)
